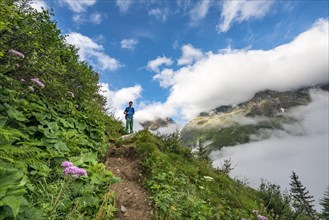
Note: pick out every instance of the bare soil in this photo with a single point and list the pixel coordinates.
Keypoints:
(131, 198)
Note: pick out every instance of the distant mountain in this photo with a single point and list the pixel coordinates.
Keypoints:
(157, 123)
(230, 125)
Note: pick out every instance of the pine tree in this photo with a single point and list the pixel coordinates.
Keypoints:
(325, 205)
(301, 199)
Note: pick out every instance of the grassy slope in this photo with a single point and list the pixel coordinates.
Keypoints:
(178, 184)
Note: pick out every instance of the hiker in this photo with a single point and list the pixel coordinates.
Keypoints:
(129, 116)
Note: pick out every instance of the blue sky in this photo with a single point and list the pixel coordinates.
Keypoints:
(157, 52)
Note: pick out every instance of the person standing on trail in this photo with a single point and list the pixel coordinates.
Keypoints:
(129, 116)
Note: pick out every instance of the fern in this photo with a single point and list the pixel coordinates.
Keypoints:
(22, 157)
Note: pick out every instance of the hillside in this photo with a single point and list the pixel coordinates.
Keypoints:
(232, 125)
(63, 157)
(53, 128)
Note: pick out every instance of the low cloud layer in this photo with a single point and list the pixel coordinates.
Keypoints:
(234, 76)
(301, 147)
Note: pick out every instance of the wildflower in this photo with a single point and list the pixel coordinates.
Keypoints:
(17, 65)
(208, 178)
(81, 172)
(75, 171)
(15, 52)
(243, 219)
(22, 80)
(67, 164)
(31, 88)
(37, 81)
(255, 211)
(260, 217)
(71, 94)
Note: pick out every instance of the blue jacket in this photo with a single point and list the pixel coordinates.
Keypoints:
(130, 112)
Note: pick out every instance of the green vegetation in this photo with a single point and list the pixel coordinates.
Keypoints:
(325, 205)
(183, 186)
(228, 136)
(50, 111)
(302, 201)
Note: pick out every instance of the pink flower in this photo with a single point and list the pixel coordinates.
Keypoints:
(75, 171)
(15, 52)
(71, 94)
(37, 81)
(260, 217)
(81, 172)
(31, 88)
(67, 164)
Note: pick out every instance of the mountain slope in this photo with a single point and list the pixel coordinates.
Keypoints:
(232, 125)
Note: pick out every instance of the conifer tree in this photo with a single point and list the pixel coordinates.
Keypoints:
(325, 205)
(301, 199)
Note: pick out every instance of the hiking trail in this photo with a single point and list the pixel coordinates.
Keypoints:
(131, 198)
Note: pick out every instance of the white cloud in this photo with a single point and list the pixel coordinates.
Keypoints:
(79, 18)
(124, 5)
(78, 6)
(129, 44)
(159, 61)
(96, 18)
(234, 76)
(301, 147)
(159, 14)
(38, 5)
(118, 100)
(165, 78)
(200, 10)
(92, 52)
(190, 55)
(238, 11)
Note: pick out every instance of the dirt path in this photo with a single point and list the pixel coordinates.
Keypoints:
(131, 199)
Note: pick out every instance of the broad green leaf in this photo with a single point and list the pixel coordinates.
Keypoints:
(61, 147)
(14, 202)
(15, 114)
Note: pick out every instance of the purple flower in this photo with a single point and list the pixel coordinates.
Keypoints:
(75, 171)
(81, 172)
(67, 164)
(243, 219)
(71, 94)
(31, 88)
(37, 81)
(260, 217)
(15, 52)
